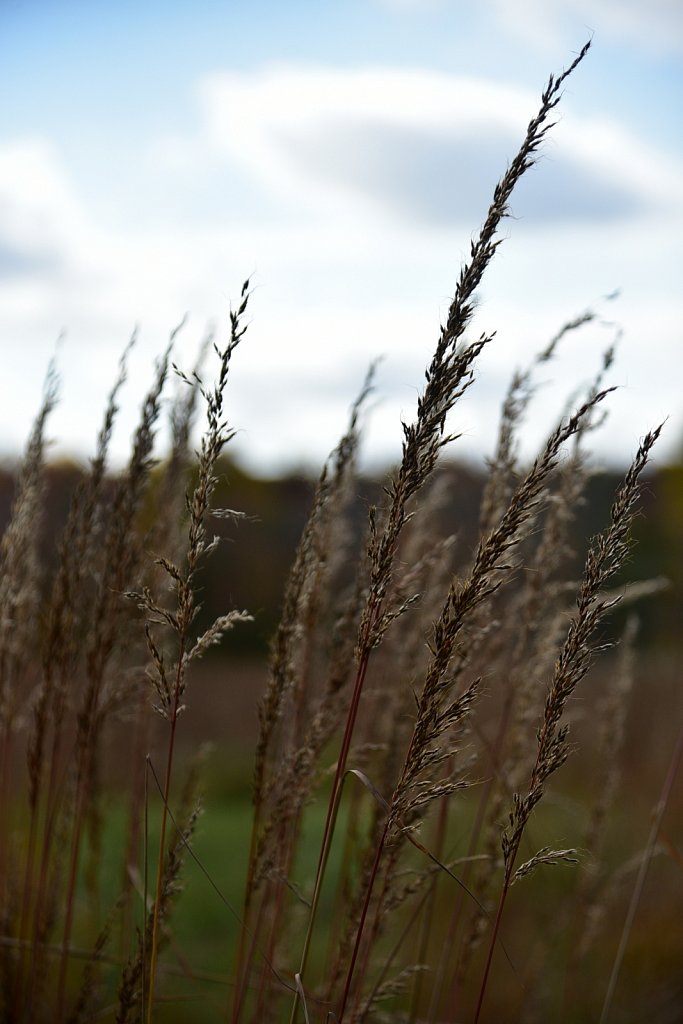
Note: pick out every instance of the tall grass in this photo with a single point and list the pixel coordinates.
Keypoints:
(415, 715)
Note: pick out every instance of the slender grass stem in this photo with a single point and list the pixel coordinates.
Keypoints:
(334, 801)
(492, 945)
(657, 818)
(154, 951)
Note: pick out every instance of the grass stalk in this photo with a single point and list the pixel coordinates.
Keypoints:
(156, 907)
(419, 654)
(646, 860)
(605, 557)
(180, 620)
(448, 376)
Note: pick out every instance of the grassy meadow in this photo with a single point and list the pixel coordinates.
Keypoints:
(451, 793)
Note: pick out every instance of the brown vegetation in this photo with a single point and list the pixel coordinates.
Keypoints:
(415, 713)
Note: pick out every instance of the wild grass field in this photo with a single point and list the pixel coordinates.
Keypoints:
(458, 800)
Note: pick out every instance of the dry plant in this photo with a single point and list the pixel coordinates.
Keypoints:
(416, 709)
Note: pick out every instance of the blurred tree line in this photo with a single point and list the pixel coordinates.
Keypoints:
(249, 567)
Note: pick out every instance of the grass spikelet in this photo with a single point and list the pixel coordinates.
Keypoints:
(19, 610)
(449, 375)
(170, 684)
(607, 554)
(120, 555)
(416, 703)
(284, 772)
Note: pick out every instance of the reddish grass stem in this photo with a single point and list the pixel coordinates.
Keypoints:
(333, 804)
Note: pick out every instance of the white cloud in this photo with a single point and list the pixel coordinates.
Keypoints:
(36, 208)
(421, 145)
(656, 25)
(341, 275)
(262, 119)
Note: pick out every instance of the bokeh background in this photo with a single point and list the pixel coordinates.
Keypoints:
(342, 155)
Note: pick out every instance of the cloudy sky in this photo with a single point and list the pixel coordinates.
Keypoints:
(343, 154)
